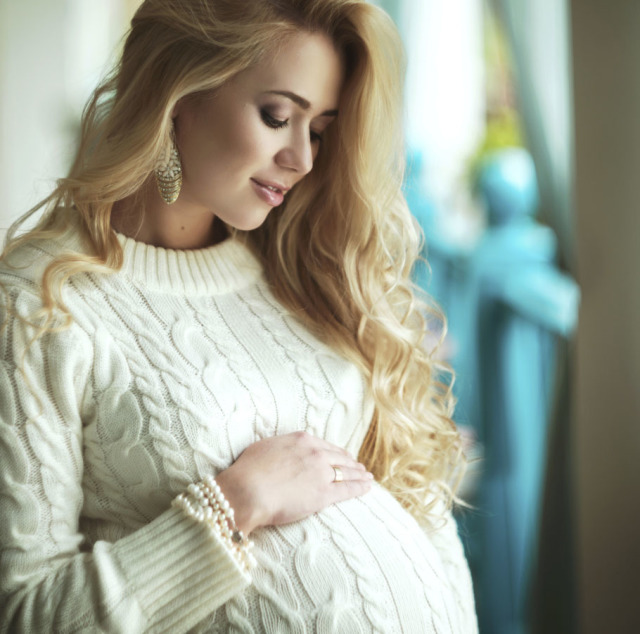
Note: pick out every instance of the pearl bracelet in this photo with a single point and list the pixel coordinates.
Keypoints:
(205, 503)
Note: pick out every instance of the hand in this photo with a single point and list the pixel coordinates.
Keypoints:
(286, 478)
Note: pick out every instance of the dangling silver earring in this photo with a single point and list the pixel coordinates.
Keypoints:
(169, 174)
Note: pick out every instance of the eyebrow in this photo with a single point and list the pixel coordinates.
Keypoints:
(301, 101)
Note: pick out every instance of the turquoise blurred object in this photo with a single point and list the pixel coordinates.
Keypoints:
(521, 303)
(507, 304)
(508, 185)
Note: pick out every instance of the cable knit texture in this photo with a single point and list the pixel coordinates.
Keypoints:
(171, 368)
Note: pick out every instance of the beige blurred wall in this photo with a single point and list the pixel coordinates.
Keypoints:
(31, 67)
(52, 53)
(606, 52)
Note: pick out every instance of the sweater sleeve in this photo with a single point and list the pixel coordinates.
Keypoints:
(165, 577)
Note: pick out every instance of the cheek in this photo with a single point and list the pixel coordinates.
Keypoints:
(248, 140)
(231, 144)
(237, 147)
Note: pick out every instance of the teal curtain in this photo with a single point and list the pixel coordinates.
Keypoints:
(538, 32)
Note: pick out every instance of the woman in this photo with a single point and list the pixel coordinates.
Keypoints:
(202, 331)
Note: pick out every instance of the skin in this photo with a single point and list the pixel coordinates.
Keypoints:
(286, 478)
(264, 126)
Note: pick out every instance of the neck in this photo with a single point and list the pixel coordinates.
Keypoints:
(145, 217)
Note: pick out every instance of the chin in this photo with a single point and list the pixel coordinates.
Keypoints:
(250, 221)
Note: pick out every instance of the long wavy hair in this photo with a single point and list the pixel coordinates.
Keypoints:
(338, 252)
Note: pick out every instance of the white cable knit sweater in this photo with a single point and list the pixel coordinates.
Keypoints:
(171, 368)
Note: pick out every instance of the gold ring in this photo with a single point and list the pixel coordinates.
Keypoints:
(338, 475)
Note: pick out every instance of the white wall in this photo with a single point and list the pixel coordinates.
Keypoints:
(445, 87)
(52, 53)
(445, 92)
(32, 112)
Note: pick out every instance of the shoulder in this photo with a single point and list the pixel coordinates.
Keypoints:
(22, 267)
(23, 314)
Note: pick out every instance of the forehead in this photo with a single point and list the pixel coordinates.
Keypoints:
(306, 64)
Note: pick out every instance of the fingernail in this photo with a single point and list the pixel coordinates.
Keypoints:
(369, 475)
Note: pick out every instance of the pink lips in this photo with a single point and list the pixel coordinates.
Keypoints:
(273, 197)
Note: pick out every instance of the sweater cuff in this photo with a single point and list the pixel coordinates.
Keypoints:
(179, 571)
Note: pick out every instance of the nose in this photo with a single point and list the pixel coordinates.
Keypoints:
(298, 153)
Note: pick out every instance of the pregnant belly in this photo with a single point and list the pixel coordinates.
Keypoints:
(360, 566)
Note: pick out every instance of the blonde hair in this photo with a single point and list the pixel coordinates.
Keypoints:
(340, 250)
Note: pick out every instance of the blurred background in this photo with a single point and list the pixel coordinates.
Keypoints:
(523, 156)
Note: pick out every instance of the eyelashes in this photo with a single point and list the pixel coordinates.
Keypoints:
(278, 124)
(272, 122)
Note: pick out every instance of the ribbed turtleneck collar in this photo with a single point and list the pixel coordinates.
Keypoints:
(215, 270)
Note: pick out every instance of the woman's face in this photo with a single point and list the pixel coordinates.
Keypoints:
(244, 146)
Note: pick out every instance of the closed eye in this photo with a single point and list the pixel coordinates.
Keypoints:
(272, 122)
(277, 124)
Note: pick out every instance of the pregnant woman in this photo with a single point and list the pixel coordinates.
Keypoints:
(216, 411)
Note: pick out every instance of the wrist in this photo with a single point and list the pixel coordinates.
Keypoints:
(247, 511)
(205, 503)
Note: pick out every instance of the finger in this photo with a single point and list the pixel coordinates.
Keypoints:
(347, 466)
(348, 489)
(341, 473)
